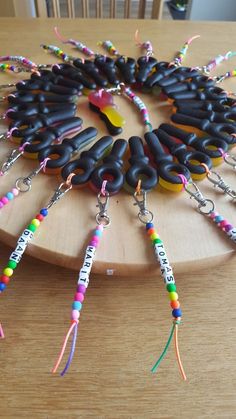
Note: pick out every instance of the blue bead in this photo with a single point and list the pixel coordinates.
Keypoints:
(2, 286)
(76, 305)
(218, 219)
(149, 225)
(176, 312)
(98, 233)
(10, 196)
(44, 212)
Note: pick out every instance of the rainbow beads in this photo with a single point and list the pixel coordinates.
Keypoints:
(108, 45)
(224, 225)
(58, 52)
(8, 197)
(83, 280)
(166, 270)
(22, 243)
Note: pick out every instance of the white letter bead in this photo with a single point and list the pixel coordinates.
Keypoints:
(91, 250)
(169, 279)
(28, 234)
(83, 278)
(87, 267)
(20, 248)
(232, 234)
(15, 256)
(23, 240)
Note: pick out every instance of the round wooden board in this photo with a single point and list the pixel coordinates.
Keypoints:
(189, 237)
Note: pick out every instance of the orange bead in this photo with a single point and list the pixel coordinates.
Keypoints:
(151, 231)
(175, 304)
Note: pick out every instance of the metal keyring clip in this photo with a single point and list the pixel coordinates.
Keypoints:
(24, 184)
(144, 215)
(198, 196)
(230, 160)
(62, 189)
(219, 182)
(101, 216)
(13, 157)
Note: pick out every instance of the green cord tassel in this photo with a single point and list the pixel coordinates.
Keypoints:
(154, 368)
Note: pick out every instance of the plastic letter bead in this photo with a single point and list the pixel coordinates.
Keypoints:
(166, 269)
(21, 246)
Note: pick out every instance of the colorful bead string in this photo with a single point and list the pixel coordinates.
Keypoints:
(82, 285)
(57, 52)
(108, 46)
(182, 53)
(139, 104)
(147, 45)
(204, 204)
(27, 236)
(103, 220)
(166, 273)
(77, 44)
(218, 60)
(10, 67)
(19, 59)
(224, 225)
(22, 243)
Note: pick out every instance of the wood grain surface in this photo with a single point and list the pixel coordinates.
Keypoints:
(190, 239)
(124, 326)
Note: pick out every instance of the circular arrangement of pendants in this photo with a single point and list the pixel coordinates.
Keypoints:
(41, 114)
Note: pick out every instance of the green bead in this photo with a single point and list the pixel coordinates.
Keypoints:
(156, 241)
(12, 264)
(171, 287)
(32, 228)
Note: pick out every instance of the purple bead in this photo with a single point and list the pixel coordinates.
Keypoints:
(228, 227)
(82, 289)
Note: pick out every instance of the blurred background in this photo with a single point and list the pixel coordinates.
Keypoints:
(144, 9)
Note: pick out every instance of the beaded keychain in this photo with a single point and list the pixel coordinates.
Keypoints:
(103, 221)
(182, 53)
(27, 65)
(108, 46)
(28, 234)
(58, 52)
(147, 45)
(207, 207)
(77, 44)
(146, 217)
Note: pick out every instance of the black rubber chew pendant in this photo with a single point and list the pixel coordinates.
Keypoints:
(110, 170)
(87, 162)
(140, 167)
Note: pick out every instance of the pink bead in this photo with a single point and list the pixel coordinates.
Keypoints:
(81, 289)
(4, 200)
(79, 297)
(75, 314)
(95, 239)
(15, 191)
(1, 204)
(213, 215)
(224, 223)
(100, 227)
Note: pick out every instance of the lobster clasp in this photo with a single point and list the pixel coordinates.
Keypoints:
(102, 217)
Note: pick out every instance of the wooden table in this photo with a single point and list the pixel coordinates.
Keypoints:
(125, 321)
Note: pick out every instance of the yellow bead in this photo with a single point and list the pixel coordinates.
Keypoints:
(234, 72)
(173, 296)
(35, 222)
(8, 271)
(154, 236)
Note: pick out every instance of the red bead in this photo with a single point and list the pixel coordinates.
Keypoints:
(151, 231)
(39, 217)
(5, 279)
